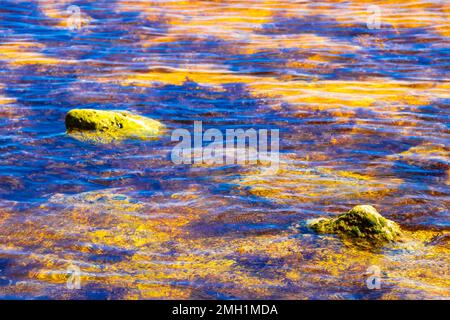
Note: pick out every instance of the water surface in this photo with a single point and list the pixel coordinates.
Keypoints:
(363, 116)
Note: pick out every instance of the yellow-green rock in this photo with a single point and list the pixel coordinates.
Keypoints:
(363, 224)
(100, 126)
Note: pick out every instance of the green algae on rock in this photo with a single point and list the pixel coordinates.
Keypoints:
(362, 223)
(100, 126)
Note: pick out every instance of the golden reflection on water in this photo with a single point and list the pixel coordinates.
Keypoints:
(144, 251)
(139, 228)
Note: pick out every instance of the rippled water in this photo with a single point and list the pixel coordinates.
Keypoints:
(363, 117)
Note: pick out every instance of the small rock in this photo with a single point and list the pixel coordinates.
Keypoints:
(362, 223)
(106, 126)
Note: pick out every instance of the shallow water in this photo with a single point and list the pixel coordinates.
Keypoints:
(363, 116)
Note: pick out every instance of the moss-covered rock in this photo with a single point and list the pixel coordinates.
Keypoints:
(363, 223)
(106, 126)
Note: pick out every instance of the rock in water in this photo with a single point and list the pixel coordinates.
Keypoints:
(362, 223)
(107, 126)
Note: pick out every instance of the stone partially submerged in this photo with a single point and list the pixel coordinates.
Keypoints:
(363, 224)
(100, 126)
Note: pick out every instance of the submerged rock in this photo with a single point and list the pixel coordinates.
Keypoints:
(429, 156)
(302, 182)
(106, 126)
(362, 223)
